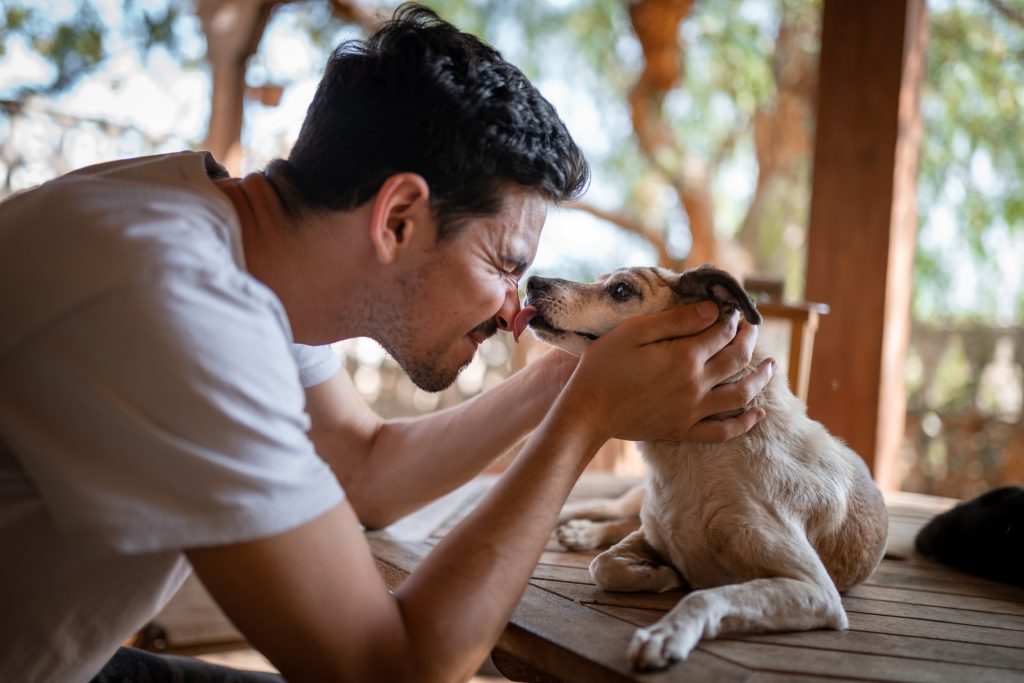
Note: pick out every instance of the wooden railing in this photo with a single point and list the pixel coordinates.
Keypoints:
(965, 410)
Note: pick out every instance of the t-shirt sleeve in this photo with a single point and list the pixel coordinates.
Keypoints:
(316, 364)
(168, 415)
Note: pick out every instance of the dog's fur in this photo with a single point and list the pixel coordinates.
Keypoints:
(770, 525)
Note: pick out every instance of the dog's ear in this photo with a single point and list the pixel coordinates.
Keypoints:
(708, 282)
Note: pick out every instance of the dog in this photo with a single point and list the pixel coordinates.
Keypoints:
(983, 536)
(765, 529)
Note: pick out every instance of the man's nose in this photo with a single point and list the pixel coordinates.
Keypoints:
(508, 311)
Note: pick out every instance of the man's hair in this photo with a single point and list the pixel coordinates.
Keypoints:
(421, 96)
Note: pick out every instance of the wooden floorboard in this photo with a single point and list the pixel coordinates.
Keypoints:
(804, 660)
(929, 613)
(937, 630)
(931, 599)
(1008, 654)
(940, 580)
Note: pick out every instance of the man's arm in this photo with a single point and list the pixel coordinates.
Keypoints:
(390, 468)
(311, 600)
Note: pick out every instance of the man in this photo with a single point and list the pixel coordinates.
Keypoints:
(153, 407)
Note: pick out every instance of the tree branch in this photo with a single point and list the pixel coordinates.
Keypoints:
(630, 225)
(1011, 13)
(351, 11)
(656, 24)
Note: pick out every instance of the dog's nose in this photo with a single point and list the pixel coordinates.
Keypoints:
(537, 284)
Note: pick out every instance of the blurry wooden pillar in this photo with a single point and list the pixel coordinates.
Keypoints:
(863, 222)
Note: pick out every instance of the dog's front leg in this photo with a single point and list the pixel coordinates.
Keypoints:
(776, 604)
(633, 565)
(785, 587)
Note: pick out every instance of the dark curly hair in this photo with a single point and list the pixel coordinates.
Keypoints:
(421, 96)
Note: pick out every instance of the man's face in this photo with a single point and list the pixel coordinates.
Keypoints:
(462, 291)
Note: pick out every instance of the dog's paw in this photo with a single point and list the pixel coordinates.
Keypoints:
(663, 644)
(580, 534)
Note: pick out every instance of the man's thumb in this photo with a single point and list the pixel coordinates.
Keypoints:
(680, 321)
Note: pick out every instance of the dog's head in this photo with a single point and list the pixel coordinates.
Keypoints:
(570, 315)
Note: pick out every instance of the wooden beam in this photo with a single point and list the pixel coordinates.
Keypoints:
(863, 221)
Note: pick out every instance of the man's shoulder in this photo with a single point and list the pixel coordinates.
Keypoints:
(109, 227)
(186, 164)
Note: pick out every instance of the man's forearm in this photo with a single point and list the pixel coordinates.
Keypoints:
(475, 576)
(412, 462)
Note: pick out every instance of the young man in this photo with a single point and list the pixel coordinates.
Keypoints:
(156, 411)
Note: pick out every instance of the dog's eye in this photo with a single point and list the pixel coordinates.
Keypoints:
(621, 291)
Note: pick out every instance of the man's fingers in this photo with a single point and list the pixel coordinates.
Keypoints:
(727, 359)
(708, 431)
(680, 321)
(729, 397)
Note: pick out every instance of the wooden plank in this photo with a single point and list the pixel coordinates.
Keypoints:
(801, 660)
(950, 583)
(884, 608)
(939, 630)
(898, 646)
(192, 618)
(862, 220)
(578, 560)
(868, 623)
(940, 572)
(918, 597)
(863, 638)
(590, 594)
(571, 642)
(437, 514)
(769, 677)
(397, 559)
(561, 573)
(468, 504)
(906, 502)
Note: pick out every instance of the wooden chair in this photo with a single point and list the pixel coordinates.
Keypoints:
(801, 318)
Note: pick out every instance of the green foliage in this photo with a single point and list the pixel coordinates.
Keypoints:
(77, 42)
(74, 45)
(972, 159)
(971, 182)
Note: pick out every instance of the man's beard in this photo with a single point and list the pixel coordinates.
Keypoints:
(428, 370)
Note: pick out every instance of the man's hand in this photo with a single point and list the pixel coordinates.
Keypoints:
(658, 376)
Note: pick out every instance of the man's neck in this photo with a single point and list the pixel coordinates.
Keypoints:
(314, 266)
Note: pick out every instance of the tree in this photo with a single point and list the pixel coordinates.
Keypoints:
(704, 112)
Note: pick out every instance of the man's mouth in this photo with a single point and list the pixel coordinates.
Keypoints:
(483, 332)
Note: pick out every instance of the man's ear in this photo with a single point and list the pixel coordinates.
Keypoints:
(401, 210)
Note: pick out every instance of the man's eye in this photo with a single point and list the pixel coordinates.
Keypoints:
(622, 291)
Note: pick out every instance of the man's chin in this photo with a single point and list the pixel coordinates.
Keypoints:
(433, 379)
(432, 371)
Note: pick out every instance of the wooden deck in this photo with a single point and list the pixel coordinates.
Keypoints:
(911, 621)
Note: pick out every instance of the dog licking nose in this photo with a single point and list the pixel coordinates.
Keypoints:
(522, 319)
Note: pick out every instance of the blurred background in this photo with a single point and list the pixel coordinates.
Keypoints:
(698, 120)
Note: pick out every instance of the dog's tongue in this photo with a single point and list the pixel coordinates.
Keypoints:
(522, 319)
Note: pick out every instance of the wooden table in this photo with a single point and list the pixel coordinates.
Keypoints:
(910, 621)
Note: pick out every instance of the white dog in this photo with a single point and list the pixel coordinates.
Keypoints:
(770, 526)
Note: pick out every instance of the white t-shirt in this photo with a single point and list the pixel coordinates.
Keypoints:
(151, 399)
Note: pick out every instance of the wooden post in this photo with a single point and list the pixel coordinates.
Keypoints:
(863, 222)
